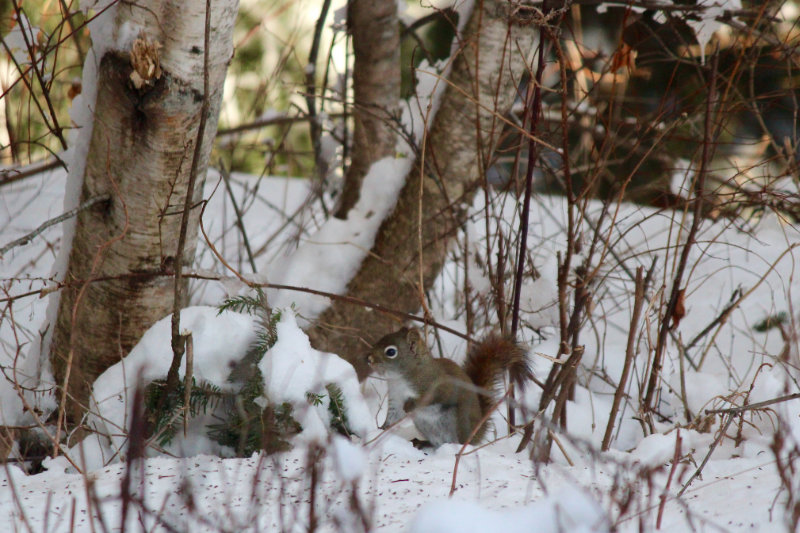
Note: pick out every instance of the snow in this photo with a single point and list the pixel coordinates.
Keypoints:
(707, 25)
(292, 369)
(570, 510)
(408, 489)
(409, 492)
(340, 245)
(218, 340)
(349, 459)
(404, 489)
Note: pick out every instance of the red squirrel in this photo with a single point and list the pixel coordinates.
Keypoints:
(446, 401)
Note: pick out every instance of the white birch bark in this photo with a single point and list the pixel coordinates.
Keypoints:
(118, 276)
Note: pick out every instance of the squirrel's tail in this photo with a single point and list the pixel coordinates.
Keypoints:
(487, 361)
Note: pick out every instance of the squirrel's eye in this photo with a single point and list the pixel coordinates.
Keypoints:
(390, 352)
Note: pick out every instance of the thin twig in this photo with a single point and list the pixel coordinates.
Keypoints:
(711, 449)
(472, 434)
(55, 129)
(11, 175)
(534, 111)
(226, 177)
(664, 495)
(187, 382)
(732, 412)
(752, 406)
(272, 121)
(311, 89)
(638, 301)
(554, 438)
(721, 318)
(19, 389)
(179, 291)
(668, 322)
(53, 221)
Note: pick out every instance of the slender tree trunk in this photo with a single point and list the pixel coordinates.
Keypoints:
(139, 156)
(375, 30)
(411, 245)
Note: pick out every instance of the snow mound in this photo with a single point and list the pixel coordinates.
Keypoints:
(292, 369)
(219, 340)
(569, 510)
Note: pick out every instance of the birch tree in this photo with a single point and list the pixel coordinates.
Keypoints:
(487, 70)
(155, 117)
(375, 31)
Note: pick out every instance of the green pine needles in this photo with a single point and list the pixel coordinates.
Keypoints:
(243, 303)
(772, 321)
(166, 421)
(336, 408)
(245, 421)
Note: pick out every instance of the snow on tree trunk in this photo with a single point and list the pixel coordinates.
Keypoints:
(483, 84)
(376, 84)
(140, 156)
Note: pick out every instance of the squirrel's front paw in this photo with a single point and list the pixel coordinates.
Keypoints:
(422, 444)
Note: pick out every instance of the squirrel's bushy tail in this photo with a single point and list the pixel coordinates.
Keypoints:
(487, 361)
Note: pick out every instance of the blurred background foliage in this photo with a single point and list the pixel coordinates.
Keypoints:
(636, 90)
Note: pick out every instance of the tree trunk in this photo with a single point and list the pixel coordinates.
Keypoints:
(140, 156)
(482, 86)
(376, 84)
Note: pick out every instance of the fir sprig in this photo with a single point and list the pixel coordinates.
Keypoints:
(337, 410)
(165, 422)
(245, 424)
(243, 303)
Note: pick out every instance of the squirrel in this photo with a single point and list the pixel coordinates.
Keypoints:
(446, 401)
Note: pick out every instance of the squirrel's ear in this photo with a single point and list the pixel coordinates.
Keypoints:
(413, 338)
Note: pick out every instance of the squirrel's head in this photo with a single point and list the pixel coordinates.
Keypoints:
(397, 350)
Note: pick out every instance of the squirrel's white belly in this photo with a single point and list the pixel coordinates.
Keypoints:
(436, 423)
(399, 392)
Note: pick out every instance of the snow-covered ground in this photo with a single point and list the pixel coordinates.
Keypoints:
(399, 488)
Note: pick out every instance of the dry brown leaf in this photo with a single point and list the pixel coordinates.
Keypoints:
(680, 309)
(74, 90)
